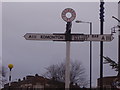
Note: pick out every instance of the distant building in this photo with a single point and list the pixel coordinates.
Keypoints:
(108, 82)
(36, 83)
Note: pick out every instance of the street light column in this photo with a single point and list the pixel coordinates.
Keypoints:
(90, 25)
(90, 57)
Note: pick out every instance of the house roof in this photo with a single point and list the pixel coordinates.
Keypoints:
(34, 80)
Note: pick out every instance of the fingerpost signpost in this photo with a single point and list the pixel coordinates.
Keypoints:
(68, 37)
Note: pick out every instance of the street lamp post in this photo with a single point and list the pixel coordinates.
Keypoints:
(10, 66)
(90, 23)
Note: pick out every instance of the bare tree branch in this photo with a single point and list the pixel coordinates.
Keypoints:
(77, 73)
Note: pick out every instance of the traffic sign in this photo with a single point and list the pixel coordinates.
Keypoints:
(74, 37)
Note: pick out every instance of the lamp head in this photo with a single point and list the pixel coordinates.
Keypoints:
(116, 18)
(78, 21)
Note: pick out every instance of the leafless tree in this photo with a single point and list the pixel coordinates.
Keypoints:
(77, 73)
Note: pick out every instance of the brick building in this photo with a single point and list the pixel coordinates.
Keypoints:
(36, 83)
(108, 82)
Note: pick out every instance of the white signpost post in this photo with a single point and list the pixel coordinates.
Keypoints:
(68, 37)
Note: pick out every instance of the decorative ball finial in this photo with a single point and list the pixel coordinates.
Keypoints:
(10, 66)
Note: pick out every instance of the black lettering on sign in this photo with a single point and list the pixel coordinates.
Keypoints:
(75, 37)
(103, 38)
(32, 36)
(41, 36)
(86, 37)
(108, 38)
(78, 38)
(60, 37)
(29, 36)
(94, 36)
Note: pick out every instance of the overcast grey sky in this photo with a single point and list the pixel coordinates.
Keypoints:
(31, 57)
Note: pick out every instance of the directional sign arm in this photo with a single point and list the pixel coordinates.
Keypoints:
(74, 37)
(93, 37)
(44, 37)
